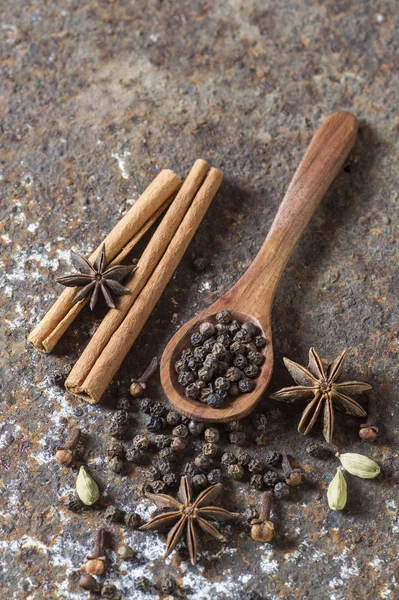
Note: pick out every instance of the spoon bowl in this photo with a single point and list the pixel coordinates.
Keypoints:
(251, 298)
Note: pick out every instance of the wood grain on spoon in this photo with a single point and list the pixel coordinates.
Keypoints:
(251, 298)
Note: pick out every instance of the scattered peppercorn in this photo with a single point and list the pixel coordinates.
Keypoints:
(115, 448)
(168, 585)
(190, 470)
(272, 458)
(317, 450)
(142, 583)
(243, 458)
(180, 431)
(196, 428)
(125, 552)
(114, 515)
(161, 441)
(123, 403)
(116, 464)
(173, 418)
(212, 434)
(235, 471)
(232, 426)
(250, 513)
(209, 449)
(228, 458)
(108, 590)
(255, 466)
(155, 424)
(256, 481)
(135, 456)
(73, 502)
(167, 453)
(133, 520)
(199, 481)
(214, 476)
(158, 486)
(170, 479)
(178, 444)
(203, 462)
(282, 490)
(146, 405)
(270, 478)
(237, 437)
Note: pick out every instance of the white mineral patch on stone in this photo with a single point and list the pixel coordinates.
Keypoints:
(121, 162)
(204, 286)
(33, 227)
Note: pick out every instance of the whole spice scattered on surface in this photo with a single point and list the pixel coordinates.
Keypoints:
(139, 385)
(337, 491)
(125, 552)
(96, 563)
(86, 488)
(184, 515)
(262, 528)
(359, 465)
(369, 430)
(89, 583)
(222, 362)
(65, 456)
(319, 383)
(93, 278)
(293, 477)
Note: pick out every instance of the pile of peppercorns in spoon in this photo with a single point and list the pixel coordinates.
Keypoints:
(223, 361)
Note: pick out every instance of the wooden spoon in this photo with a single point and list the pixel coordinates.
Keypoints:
(251, 298)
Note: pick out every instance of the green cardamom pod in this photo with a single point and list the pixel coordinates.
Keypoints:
(86, 488)
(337, 491)
(359, 465)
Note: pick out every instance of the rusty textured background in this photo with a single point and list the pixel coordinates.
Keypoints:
(96, 97)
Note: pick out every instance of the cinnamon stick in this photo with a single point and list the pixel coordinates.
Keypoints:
(122, 338)
(126, 233)
(145, 267)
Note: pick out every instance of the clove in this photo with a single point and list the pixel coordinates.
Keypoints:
(139, 385)
(66, 456)
(96, 563)
(262, 529)
(369, 430)
(292, 476)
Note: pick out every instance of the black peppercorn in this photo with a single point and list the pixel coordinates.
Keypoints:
(214, 476)
(123, 403)
(317, 450)
(251, 371)
(206, 373)
(232, 426)
(180, 431)
(155, 424)
(250, 347)
(186, 377)
(158, 486)
(261, 422)
(133, 520)
(250, 328)
(219, 351)
(234, 327)
(158, 409)
(215, 400)
(246, 385)
(73, 502)
(167, 453)
(173, 418)
(135, 456)
(207, 329)
(152, 473)
(228, 458)
(272, 458)
(224, 317)
(243, 457)
(59, 378)
(234, 390)
(161, 441)
(170, 479)
(262, 439)
(192, 391)
(118, 431)
(221, 384)
(256, 481)
(196, 428)
(255, 358)
(197, 339)
(250, 514)
(190, 470)
(237, 437)
(140, 442)
(199, 481)
(168, 585)
(211, 362)
(178, 444)
(212, 434)
(240, 362)
(209, 343)
(224, 339)
(234, 374)
(121, 417)
(259, 341)
(270, 478)
(142, 584)
(237, 348)
(113, 514)
(282, 490)
(203, 462)
(115, 449)
(200, 352)
(108, 590)
(116, 464)
(205, 393)
(235, 471)
(209, 449)
(255, 466)
(180, 365)
(242, 336)
(146, 405)
(194, 363)
(164, 466)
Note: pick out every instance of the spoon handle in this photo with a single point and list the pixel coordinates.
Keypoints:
(331, 144)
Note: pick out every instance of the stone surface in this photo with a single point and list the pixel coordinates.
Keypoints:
(96, 97)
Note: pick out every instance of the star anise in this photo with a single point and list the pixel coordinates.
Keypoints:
(319, 382)
(95, 277)
(184, 515)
